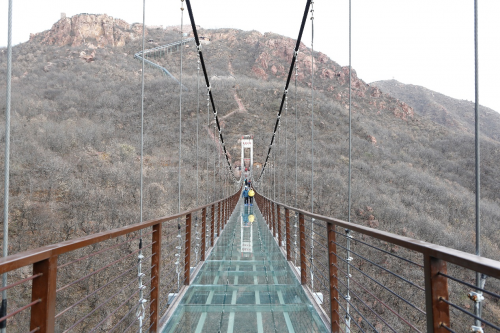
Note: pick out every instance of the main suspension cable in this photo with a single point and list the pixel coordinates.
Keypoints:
(294, 59)
(207, 82)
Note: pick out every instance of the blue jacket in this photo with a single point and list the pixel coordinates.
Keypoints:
(245, 194)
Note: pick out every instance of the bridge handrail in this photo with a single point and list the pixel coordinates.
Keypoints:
(166, 251)
(29, 257)
(325, 271)
(467, 260)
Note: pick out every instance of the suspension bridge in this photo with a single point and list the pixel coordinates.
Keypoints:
(227, 266)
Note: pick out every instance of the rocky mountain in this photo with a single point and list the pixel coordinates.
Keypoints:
(75, 128)
(90, 30)
(453, 113)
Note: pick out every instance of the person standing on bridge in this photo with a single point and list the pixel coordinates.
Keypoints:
(251, 193)
(245, 195)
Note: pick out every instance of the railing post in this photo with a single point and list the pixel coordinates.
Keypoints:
(219, 227)
(154, 307)
(302, 244)
(226, 211)
(332, 263)
(212, 221)
(223, 213)
(203, 232)
(273, 217)
(278, 222)
(436, 287)
(287, 234)
(268, 214)
(187, 249)
(44, 289)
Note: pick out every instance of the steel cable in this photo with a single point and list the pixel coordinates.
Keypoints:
(385, 269)
(379, 249)
(470, 314)
(361, 300)
(377, 299)
(209, 88)
(294, 59)
(5, 245)
(379, 283)
(470, 285)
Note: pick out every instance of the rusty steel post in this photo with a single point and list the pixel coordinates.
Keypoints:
(187, 254)
(44, 289)
(287, 234)
(278, 222)
(332, 263)
(226, 210)
(219, 227)
(302, 244)
(273, 218)
(267, 214)
(436, 287)
(212, 221)
(203, 233)
(154, 307)
(223, 204)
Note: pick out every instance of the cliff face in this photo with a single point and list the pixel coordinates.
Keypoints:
(90, 30)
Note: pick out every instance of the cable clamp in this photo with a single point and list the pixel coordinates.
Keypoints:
(198, 47)
(285, 91)
(476, 329)
(349, 259)
(476, 297)
(296, 53)
(347, 298)
(140, 257)
(209, 88)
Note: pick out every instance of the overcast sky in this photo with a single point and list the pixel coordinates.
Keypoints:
(422, 42)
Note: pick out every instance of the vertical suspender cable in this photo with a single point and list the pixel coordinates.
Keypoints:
(279, 158)
(5, 247)
(286, 143)
(215, 158)
(480, 278)
(140, 311)
(180, 113)
(348, 241)
(218, 168)
(311, 258)
(296, 116)
(312, 106)
(274, 174)
(197, 129)
(208, 147)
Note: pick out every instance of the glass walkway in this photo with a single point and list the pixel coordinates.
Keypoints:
(245, 285)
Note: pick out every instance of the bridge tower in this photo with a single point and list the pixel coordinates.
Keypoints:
(246, 143)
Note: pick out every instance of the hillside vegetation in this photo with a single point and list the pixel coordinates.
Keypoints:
(75, 145)
(76, 107)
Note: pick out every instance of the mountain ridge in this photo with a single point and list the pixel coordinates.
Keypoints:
(447, 111)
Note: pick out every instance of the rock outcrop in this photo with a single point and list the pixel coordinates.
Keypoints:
(91, 30)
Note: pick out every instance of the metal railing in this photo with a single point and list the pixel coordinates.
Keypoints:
(91, 283)
(366, 280)
(160, 51)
